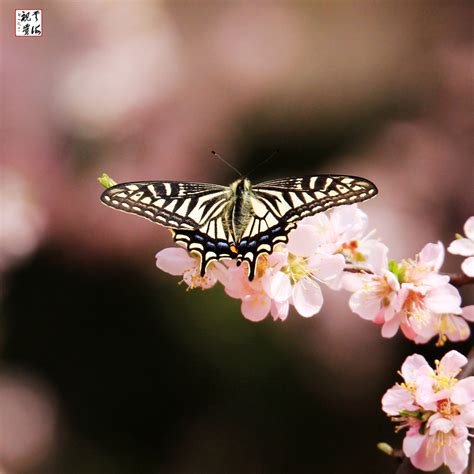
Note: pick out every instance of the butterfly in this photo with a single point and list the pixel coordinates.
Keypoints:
(239, 221)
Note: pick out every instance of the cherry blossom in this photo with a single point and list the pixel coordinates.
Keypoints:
(176, 261)
(316, 254)
(436, 408)
(339, 232)
(465, 246)
(411, 296)
(333, 249)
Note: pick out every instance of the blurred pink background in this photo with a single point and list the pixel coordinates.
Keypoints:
(145, 90)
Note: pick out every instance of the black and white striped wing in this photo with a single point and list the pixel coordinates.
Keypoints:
(279, 204)
(192, 211)
(175, 205)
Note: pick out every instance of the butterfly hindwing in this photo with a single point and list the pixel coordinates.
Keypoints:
(279, 204)
(172, 204)
(212, 242)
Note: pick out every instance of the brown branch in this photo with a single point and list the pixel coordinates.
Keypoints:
(460, 279)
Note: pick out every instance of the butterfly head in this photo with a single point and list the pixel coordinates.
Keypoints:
(240, 186)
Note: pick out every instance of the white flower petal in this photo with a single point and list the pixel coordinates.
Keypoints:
(469, 228)
(468, 266)
(353, 281)
(327, 268)
(280, 310)
(307, 298)
(432, 255)
(277, 286)
(349, 222)
(462, 247)
(376, 253)
(463, 391)
(444, 299)
(303, 240)
(451, 363)
(365, 303)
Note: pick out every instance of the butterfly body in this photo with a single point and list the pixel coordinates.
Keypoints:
(240, 221)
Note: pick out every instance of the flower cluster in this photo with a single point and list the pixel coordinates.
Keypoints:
(316, 254)
(413, 296)
(436, 408)
(334, 249)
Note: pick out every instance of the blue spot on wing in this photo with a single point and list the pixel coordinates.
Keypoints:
(222, 246)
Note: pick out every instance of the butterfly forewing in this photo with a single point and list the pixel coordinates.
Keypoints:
(280, 204)
(172, 204)
(291, 199)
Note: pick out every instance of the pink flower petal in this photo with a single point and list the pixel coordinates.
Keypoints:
(365, 304)
(256, 307)
(397, 399)
(468, 313)
(277, 286)
(463, 391)
(390, 328)
(440, 424)
(280, 310)
(411, 367)
(327, 268)
(303, 240)
(307, 298)
(455, 327)
(354, 281)
(463, 247)
(468, 266)
(237, 284)
(427, 458)
(451, 363)
(175, 260)
(412, 442)
(456, 456)
(444, 299)
(278, 259)
(467, 415)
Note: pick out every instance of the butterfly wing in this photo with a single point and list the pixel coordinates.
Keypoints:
(279, 204)
(172, 204)
(192, 211)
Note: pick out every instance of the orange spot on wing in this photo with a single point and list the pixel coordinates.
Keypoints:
(233, 249)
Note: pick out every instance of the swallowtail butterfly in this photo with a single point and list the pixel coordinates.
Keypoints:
(239, 221)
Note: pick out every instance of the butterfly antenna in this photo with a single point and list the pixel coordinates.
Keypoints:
(263, 162)
(227, 163)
